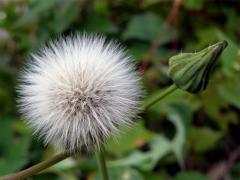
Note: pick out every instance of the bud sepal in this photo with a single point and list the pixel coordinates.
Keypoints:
(191, 71)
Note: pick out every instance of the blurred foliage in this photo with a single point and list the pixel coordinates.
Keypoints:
(182, 137)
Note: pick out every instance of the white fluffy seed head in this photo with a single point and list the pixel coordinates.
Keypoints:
(78, 90)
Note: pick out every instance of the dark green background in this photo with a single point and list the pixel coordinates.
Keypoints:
(183, 137)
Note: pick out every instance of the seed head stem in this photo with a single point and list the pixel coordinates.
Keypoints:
(99, 153)
(102, 163)
(36, 168)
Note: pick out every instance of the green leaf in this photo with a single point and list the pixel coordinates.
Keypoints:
(204, 138)
(160, 146)
(139, 48)
(14, 144)
(91, 24)
(67, 10)
(122, 174)
(183, 112)
(34, 12)
(235, 171)
(149, 175)
(147, 3)
(177, 117)
(194, 4)
(190, 175)
(212, 106)
(230, 56)
(147, 27)
(101, 7)
(64, 165)
(209, 32)
(130, 138)
(145, 160)
(230, 91)
(11, 165)
(60, 173)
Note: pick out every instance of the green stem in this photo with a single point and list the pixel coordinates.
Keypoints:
(99, 153)
(165, 93)
(36, 168)
(102, 163)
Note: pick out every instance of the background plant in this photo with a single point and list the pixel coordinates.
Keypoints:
(200, 133)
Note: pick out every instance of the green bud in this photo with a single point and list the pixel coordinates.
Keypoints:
(190, 71)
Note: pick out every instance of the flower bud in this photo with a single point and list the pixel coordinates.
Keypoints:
(190, 71)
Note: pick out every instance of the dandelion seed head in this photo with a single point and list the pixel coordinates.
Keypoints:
(79, 90)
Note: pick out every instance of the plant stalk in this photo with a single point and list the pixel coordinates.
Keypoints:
(36, 168)
(102, 163)
(99, 153)
(165, 93)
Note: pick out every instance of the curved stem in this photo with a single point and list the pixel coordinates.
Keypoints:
(36, 168)
(165, 93)
(99, 153)
(102, 163)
